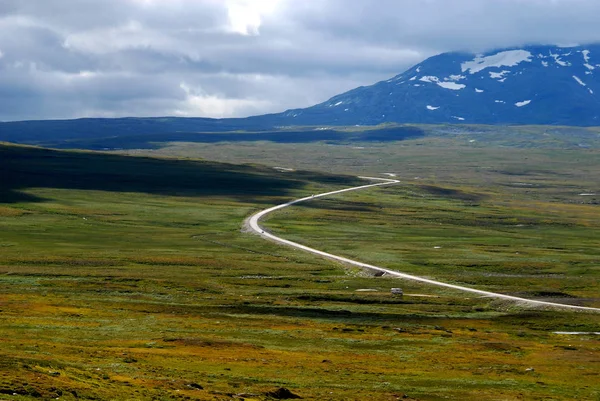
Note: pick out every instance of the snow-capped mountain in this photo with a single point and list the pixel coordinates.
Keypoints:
(530, 85)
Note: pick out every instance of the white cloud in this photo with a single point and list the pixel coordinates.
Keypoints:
(198, 102)
(246, 16)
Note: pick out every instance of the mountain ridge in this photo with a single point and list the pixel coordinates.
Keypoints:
(547, 85)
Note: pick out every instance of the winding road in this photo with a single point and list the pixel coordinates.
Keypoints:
(253, 223)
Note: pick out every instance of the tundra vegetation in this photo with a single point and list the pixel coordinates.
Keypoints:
(131, 277)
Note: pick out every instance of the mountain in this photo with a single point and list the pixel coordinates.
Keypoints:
(530, 85)
(542, 85)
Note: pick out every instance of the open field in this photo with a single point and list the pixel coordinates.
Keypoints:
(129, 278)
(436, 159)
(547, 163)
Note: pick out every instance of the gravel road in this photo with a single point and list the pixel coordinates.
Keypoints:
(253, 223)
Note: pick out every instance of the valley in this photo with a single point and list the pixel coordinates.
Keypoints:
(131, 275)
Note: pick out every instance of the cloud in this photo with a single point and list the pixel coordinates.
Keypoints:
(199, 101)
(222, 58)
(246, 16)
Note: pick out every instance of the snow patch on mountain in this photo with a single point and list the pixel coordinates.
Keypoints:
(579, 81)
(586, 55)
(428, 78)
(509, 58)
(586, 59)
(452, 85)
(479, 90)
(443, 84)
(432, 108)
(558, 60)
(523, 103)
(498, 75)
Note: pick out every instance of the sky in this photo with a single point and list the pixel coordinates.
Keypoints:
(235, 58)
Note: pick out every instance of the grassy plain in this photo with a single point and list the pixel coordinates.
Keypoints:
(130, 278)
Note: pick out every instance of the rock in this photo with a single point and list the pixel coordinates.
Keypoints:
(397, 291)
(530, 370)
(195, 386)
(282, 394)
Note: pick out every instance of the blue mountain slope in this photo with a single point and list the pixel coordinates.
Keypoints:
(530, 85)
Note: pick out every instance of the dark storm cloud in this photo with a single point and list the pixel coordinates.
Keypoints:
(453, 24)
(72, 58)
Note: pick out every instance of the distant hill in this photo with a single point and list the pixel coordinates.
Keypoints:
(44, 131)
(542, 85)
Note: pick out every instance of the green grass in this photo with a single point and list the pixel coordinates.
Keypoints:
(130, 278)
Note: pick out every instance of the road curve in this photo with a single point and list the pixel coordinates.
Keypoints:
(254, 220)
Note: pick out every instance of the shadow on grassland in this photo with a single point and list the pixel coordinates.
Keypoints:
(28, 167)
